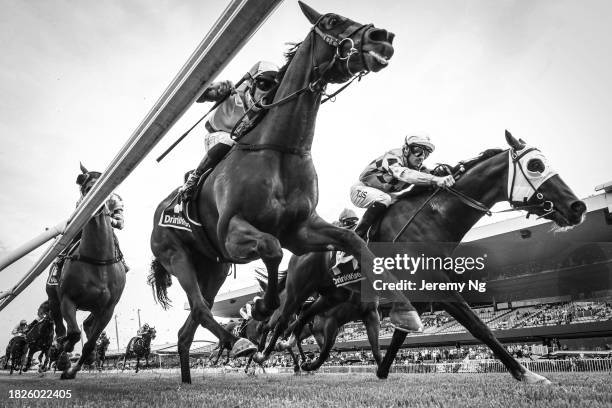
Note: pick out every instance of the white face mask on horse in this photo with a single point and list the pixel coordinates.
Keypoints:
(528, 169)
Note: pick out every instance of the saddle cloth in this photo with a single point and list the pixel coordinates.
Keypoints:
(175, 216)
(346, 269)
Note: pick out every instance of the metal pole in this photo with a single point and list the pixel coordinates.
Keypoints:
(139, 325)
(239, 21)
(32, 244)
(117, 333)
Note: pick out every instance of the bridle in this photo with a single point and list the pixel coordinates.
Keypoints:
(515, 204)
(323, 74)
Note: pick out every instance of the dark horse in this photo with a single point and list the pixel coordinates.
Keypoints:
(16, 351)
(307, 275)
(92, 279)
(495, 176)
(40, 338)
(140, 347)
(262, 196)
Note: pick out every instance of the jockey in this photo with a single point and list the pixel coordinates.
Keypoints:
(114, 204)
(348, 219)
(245, 311)
(103, 339)
(390, 173)
(143, 330)
(260, 80)
(21, 329)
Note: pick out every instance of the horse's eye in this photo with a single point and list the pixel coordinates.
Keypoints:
(333, 21)
(536, 166)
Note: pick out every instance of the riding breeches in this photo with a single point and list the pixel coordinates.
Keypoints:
(363, 196)
(213, 138)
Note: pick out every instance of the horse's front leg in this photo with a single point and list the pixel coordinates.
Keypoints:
(316, 235)
(244, 241)
(29, 359)
(460, 310)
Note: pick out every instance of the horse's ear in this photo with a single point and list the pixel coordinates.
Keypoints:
(310, 13)
(83, 169)
(515, 144)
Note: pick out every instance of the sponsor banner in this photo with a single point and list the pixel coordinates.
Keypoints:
(495, 272)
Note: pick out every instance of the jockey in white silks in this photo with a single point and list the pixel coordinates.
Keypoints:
(378, 186)
(237, 102)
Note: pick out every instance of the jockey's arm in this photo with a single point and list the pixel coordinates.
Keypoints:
(411, 176)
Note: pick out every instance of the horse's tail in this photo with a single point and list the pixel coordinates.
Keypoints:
(160, 279)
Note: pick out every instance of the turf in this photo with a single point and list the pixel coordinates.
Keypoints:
(321, 390)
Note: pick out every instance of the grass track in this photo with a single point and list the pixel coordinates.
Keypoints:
(573, 390)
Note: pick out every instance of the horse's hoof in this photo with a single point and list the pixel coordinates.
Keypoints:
(530, 377)
(68, 375)
(407, 321)
(382, 374)
(63, 362)
(308, 366)
(242, 347)
(259, 357)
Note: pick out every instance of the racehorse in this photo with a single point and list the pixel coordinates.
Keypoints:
(92, 279)
(519, 175)
(16, 351)
(309, 274)
(139, 347)
(272, 166)
(39, 338)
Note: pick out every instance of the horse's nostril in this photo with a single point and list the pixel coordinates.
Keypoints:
(378, 35)
(579, 207)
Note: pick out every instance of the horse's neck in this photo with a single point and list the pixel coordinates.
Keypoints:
(291, 124)
(451, 218)
(97, 238)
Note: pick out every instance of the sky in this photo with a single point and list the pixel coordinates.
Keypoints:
(78, 77)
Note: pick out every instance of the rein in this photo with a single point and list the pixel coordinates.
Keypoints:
(95, 261)
(477, 205)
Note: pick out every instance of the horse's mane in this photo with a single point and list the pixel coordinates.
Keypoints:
(443, 169)
(289, 54)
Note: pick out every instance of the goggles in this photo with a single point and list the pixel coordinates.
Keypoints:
(419, 151)
(264, 84)
(348, 222)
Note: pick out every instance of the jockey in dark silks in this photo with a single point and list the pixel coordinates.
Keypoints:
(114, 205)
(261, 79)
(143, 330)
(382, 181)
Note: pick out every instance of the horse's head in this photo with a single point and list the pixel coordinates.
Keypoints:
(86, 179)
(347, 48)
(534, 185)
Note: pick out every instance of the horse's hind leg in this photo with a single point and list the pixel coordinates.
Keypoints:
(244, 241)
(316, 235)
(371, 320)
(185, 338)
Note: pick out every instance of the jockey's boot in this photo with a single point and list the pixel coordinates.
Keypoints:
(212, 158)
(369, 217)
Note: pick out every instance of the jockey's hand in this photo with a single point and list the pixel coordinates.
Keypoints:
(446, 181)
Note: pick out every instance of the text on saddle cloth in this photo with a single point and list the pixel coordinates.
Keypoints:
(346, 269)
(173, 216)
